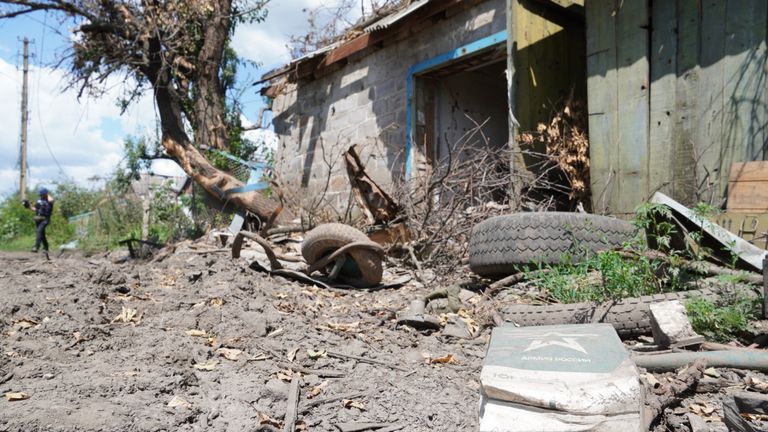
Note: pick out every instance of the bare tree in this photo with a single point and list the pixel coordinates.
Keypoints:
(328, 24)
(176, 48)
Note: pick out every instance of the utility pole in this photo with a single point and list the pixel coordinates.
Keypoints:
(24, 119)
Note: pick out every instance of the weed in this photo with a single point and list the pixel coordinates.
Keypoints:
(653, 219)
(607, 275)
(724, 320)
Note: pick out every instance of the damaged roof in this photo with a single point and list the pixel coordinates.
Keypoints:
(372, 34)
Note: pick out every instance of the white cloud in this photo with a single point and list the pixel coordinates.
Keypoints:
(84, 136)
(266, 42)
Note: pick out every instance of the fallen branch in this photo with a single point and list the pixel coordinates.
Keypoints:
(359, 427)
(663, 395)
(712, 346)
(515, 278)
(306, 371)
(365, 360)
(318, 402)
(698, 267)
(291, 413)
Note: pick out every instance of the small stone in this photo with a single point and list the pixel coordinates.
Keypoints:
(194, 276)
(122, 289)
(311, 380)
(48, 376)
(276, 389)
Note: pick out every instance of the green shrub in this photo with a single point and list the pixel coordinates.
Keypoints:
(725, 320)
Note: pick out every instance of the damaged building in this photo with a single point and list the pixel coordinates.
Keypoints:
(674, 92)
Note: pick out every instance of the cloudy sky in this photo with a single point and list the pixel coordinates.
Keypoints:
(80, 140)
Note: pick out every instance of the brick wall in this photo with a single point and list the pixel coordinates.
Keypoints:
(363, 103)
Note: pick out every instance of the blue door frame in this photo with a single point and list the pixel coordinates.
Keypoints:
(436, 63)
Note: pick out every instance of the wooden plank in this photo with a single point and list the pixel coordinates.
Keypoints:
(744, 88)
(602, 91)
(708, 133)
(749, 171)
(663, 82)
(633, 105)
(749, 196)
(355, 45)
(686, 97)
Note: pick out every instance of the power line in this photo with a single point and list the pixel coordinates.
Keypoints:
(37, 97)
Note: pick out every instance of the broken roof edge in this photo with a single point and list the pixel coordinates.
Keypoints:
(370, 25)
(359, 38)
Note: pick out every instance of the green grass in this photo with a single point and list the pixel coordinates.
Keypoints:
(606, 275)
(19, 244)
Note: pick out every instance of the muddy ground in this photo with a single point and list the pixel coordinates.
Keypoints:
(83, 370)
(200, 342)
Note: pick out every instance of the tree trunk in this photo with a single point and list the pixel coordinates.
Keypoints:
(178, 146)
(209, 104)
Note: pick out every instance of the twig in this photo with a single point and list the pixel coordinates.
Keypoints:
(392, 428)
(515, 278)
(668, 394)
(319, 372)
(365, 360)
(360, 427)
(712, 346)
(291, 413)
(318, 402)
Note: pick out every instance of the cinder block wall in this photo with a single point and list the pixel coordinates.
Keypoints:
(363, 103)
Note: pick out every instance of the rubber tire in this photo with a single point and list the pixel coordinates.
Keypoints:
(324, 239)
(630, 317)
(499, 246)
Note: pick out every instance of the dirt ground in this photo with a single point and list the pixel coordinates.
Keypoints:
(85, 370)
(201, 342)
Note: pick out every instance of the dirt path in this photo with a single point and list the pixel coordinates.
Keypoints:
(84, 372)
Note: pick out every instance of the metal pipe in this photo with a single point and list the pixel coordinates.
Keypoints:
(730, 359)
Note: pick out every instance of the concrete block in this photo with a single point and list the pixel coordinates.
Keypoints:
(481, 19)
(365, 98)
(380, 106)
(368, 129)
(356, 73)
(384, 88)
(354, 118)
(349, 102)
(670, 325)
(397, 102)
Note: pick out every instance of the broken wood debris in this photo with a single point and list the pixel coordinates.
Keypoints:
(379, 208)
(377, 427)
(365, 360)
(291, 412)
(662, 395)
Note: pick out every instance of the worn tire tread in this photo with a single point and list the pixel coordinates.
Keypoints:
(500, 245)
(630, 316)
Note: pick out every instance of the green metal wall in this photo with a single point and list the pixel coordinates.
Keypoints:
(677, 92)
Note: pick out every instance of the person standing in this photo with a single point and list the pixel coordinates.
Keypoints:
(43, 209)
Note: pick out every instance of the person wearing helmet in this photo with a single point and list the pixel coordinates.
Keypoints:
(43, 209)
